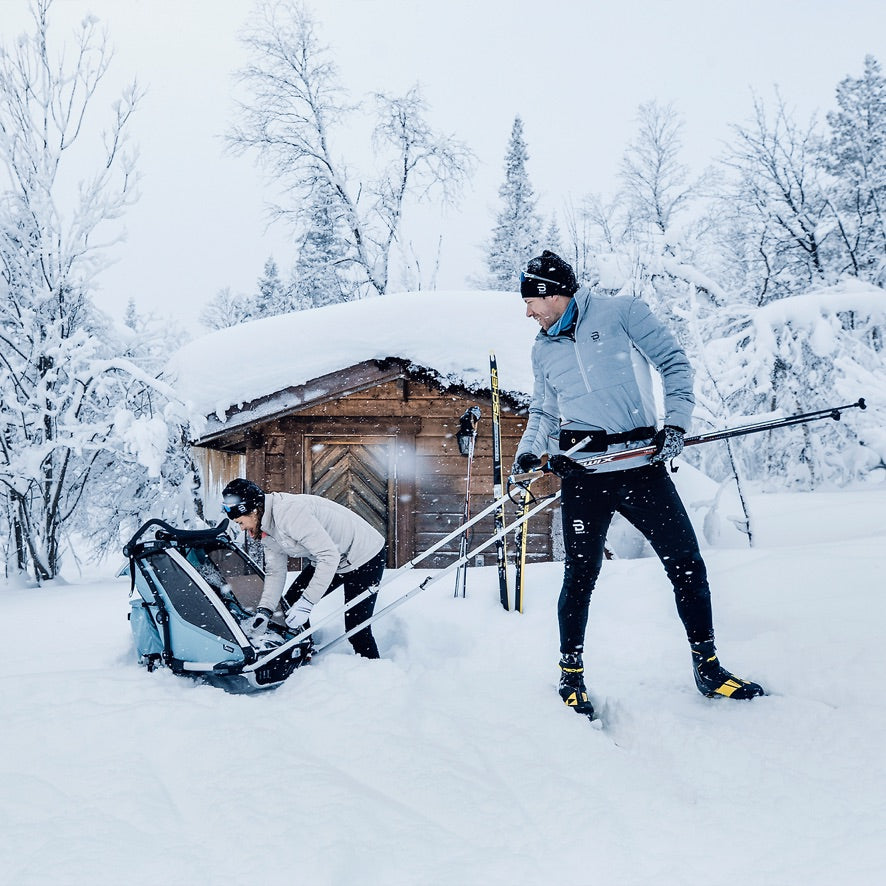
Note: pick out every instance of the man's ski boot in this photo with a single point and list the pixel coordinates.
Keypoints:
(572, 684)
(714, 681)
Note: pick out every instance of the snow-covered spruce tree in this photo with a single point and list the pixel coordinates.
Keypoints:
(516, 234)
(553, 240)
(64, 389)
(316, 276)
(292, 113)
(855, 155)
(272, 297)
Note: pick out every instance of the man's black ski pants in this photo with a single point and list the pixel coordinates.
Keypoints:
(648, 499)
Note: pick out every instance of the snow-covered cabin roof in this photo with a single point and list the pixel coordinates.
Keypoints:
(447, 334)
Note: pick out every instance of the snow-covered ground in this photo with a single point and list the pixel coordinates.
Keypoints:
(452, 761)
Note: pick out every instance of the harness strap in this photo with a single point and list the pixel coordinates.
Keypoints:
(600, 441)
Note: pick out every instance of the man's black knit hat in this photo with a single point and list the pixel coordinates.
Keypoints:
(548, 274)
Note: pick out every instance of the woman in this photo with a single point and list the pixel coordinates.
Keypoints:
(342, 548)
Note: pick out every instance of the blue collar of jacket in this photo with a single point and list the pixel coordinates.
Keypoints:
(566, 324)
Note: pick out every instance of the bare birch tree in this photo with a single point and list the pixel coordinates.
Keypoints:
(292, 116)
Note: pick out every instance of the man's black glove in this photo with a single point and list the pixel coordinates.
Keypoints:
(526, 462)
(564, 466)
(668, 444)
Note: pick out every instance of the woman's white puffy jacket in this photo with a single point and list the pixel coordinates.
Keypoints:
(333, 538)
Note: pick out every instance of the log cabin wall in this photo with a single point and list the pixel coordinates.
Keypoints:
(390, 453)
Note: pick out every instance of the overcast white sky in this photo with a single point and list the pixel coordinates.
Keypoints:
(575, 71)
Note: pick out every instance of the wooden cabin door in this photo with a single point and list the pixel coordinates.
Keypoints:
(357, 473)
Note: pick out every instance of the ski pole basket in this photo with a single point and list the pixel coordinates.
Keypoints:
(190, 590)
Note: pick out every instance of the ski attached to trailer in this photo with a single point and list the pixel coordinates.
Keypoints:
(291, 645)
(498, 482)
(392, 574)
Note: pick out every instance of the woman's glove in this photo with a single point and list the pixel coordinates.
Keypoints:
(299, 613)
(258, 624)
(669, 444)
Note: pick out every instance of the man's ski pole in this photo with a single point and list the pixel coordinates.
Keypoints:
(833, 412)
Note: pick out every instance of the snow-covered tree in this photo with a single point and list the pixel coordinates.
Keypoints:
(516, 236)
(855, 155)
(145, 468)
(774, 210)
(227, 308)
(655, 183)
(317, 276)
(272, 297)
(291, 116)
(552, 239)
(66, 393)
(818, 349)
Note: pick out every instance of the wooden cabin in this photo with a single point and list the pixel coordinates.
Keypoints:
(378, 437)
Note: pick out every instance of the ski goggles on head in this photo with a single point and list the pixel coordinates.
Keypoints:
(533, 286)
(234, 506)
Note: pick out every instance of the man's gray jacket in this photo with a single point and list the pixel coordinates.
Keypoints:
(599, 377)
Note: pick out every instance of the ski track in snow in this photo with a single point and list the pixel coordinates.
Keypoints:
(452, 761)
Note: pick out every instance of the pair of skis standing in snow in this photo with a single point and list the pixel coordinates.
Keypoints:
(592, 364)
(466, 437)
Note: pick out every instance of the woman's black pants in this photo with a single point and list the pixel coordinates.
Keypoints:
(354, 583)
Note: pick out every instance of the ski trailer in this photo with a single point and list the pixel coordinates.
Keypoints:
(466, 438)
(498, 485)
(191, 590)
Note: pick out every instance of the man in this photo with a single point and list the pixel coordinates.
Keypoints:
(592, 365)
(341, 547)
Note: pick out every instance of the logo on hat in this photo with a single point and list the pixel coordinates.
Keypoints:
(542, 288)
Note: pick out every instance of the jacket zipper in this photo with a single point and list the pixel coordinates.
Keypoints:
(581, 367)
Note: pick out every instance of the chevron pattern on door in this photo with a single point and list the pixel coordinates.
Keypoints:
(355, 474)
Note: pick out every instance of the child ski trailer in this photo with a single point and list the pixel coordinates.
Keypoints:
(191, 594)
